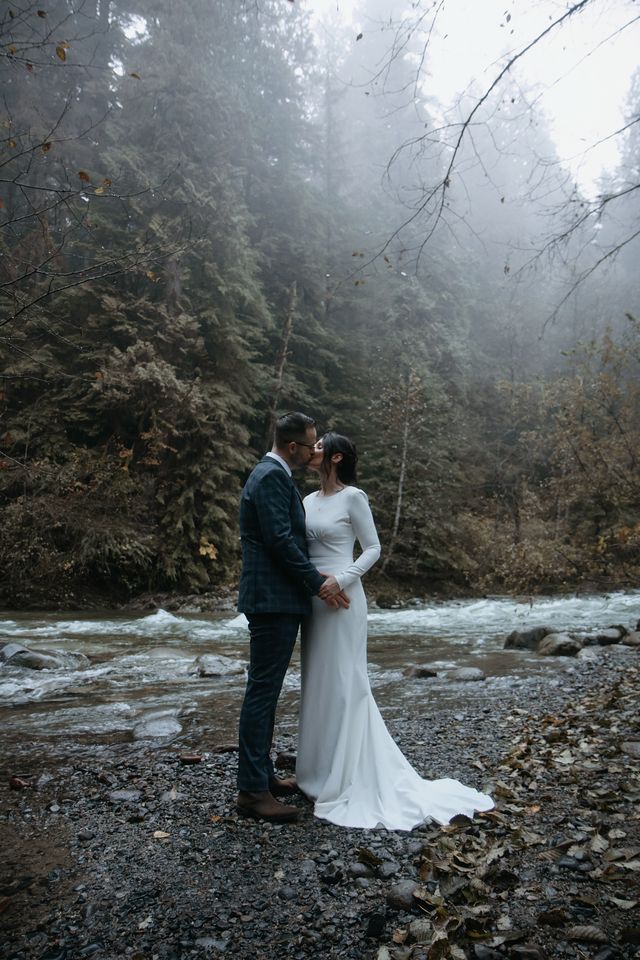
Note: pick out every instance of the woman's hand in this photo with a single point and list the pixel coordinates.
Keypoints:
(329, 588)
(339, 602)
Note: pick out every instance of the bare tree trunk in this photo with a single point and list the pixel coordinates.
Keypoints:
(281, 362)
(401, 478)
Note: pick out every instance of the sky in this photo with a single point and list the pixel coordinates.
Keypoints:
(582, 81)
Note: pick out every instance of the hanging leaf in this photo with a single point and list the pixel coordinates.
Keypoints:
(359, 37)
(61, 52)
(45, 147)
(42, 13)
(84, 176)
(99, 191)
(136, 76)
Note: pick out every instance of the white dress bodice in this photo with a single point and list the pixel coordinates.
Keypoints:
(334, 523)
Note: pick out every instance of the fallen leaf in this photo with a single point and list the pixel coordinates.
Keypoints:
(624, 904)
(587, 934)
(161, 835)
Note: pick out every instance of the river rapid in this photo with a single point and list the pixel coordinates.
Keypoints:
(141, 681)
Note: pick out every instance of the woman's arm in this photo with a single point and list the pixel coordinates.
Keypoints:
(367, 536)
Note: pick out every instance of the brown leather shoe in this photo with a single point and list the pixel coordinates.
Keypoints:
(283, 786)
(264, 806)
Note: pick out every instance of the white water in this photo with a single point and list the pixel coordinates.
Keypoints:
(140, 666)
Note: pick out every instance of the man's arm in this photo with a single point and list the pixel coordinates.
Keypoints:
(271, 498)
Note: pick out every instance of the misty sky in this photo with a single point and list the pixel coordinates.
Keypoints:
(581, 73)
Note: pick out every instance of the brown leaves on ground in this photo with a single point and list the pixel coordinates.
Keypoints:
(559, 857)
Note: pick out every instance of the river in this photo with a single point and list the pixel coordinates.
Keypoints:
(140, 682)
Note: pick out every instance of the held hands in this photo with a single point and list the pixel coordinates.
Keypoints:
(339, 602)
(329, 588)
(331, 593)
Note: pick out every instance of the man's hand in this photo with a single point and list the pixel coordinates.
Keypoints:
(329, 588)
(339, 602)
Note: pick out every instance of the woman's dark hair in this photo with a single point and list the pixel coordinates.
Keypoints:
(335, 443)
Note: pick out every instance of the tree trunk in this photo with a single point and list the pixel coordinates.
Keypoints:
(401, 477)
(281, 362)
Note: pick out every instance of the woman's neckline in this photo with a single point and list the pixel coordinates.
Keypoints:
(327, 496)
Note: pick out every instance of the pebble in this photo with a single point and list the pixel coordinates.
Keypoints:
(400, 896)
(124, 796)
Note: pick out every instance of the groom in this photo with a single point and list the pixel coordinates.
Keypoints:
(276, 585)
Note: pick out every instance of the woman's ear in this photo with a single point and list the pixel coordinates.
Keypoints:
(336, 458)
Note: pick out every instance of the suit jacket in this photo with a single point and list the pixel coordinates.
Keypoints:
(277, 575)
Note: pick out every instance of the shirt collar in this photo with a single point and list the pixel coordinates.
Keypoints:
(276, 456)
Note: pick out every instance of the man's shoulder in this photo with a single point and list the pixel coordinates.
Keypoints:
(268, 469)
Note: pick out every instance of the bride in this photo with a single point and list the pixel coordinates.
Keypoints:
(347, 761)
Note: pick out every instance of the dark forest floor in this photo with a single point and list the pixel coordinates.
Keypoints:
(142, 855)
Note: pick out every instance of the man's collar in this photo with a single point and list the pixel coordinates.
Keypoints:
(276, 456)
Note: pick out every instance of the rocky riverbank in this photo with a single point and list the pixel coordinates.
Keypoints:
(143, 855)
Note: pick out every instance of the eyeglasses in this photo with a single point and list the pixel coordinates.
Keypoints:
(311, 446)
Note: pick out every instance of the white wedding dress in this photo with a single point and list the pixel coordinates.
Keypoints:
(347, 761)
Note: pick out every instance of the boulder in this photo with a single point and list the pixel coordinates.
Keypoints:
(609, 636)
(420, 670)
(9, 650)
(42, 660)
(213, 665)
(559, 645)
(526, 639)
(632, 639)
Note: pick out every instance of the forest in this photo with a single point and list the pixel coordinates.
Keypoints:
(214, 212)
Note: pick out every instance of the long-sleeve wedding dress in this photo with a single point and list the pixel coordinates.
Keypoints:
(348, 762)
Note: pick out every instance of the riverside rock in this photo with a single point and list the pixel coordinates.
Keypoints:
(421, 671)
(632, 639)
(467, 674)
(44, 660)
(213, 665)
(526, 639)
(559, 645)
(611, 635)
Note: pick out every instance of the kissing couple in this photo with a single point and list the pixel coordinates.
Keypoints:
(298, 572)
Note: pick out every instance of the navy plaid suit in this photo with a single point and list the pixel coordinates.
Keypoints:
(276, 585)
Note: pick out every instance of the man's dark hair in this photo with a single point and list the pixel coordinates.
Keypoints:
(292, 426)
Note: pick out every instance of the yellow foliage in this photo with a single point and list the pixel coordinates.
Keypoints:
(207, 549)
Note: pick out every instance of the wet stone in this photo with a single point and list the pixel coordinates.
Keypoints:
(287, 893)
(388, 869)
(124, 796)
(467, 674)
(400, 896)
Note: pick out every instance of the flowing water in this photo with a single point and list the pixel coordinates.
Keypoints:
(140, 681)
